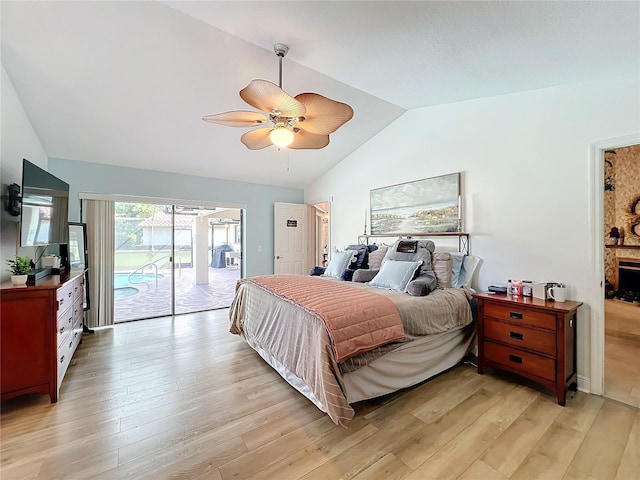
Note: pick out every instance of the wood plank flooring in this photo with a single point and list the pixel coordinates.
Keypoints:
(622, 352)
(184, 399)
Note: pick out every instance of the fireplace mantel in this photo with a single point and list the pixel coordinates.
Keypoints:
(629, 247)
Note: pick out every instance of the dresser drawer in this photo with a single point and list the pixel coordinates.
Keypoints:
(78, 288)
(525, 316)
(64, 296)
(64, 358)
(520, 361)
(78, 310)
(65, 322)
(521, 336)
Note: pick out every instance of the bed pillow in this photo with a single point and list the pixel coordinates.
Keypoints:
(442, 266)
(469, 266)
(339, 263)
(361, 261)
(457, 269)
(375, 257)
(395, 275)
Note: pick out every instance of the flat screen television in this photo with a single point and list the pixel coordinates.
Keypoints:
(45, 207)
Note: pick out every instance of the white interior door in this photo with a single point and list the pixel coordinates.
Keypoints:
(290, 238)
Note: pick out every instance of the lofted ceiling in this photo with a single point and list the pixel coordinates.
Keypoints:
(126, 83)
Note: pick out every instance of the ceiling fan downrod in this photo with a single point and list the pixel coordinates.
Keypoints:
(281, 50)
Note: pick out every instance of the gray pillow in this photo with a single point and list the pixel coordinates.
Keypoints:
(418, 288)
(422, 252)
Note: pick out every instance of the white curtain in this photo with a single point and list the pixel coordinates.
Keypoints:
(100, 219)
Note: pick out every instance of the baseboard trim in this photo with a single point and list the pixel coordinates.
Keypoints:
(584, 384)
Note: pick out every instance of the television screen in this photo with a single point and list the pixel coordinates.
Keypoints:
(45, 207)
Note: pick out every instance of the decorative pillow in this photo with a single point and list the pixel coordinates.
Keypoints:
(469, 266)
(418, 288)
(339, 263)
(317, 271)
(457, 269)
(442, 265)
(376, 257)
(412, 251)
(395, 275)
(361, 260)
(363, 275)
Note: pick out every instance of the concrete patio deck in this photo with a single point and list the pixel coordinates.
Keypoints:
(152, 301)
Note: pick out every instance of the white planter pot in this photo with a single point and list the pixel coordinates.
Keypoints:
(19, 279)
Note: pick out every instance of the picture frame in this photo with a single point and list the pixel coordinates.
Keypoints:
(428, 205)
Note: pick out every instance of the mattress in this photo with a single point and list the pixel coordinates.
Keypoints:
(295, 343)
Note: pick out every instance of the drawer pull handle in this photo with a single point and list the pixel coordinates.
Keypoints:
(62, 359)
(516, 315)
(70, 293)
(70, 343)
(61, 330)
(61, 301)
(515, 359)
(516, 335)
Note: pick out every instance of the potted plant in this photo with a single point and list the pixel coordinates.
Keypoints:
(19, 269)
(614, 234)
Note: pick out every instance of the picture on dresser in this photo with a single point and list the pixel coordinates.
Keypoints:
(430, 205)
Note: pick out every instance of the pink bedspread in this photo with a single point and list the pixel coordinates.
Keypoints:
(357, 320)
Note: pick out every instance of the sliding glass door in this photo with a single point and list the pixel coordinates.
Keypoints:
(174, 259)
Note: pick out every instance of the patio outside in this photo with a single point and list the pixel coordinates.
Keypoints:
(206, 259)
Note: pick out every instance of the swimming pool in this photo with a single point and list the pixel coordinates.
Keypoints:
(124, 285)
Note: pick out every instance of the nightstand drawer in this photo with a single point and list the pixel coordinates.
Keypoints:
(521, 361)
(521, 336)
(515, 313)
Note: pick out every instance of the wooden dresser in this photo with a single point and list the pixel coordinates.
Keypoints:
(40, 329)
(531, 337)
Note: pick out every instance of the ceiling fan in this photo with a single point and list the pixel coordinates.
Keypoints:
(303, 122)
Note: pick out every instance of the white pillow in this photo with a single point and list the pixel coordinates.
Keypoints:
(395, 275)
(469, 266)
(339, 263)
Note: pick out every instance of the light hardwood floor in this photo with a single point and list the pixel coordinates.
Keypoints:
(184, 399)
(622, 352)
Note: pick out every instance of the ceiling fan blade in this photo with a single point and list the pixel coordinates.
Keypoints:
(324, 116)
(257, 139)
(240, 118)
(305, 140)
(270, 98)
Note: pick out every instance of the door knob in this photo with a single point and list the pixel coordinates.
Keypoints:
(278, 257)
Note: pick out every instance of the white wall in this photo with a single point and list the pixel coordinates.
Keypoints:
(526, 184)
(18, 141)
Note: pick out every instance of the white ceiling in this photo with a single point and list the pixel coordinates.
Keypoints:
(126, 83)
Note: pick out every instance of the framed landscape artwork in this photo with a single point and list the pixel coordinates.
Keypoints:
(430, 205)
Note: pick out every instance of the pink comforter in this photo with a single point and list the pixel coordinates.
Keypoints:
(357, 321)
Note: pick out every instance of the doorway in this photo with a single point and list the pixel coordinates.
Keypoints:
(622, 274)
(320, 243)
(172, 259)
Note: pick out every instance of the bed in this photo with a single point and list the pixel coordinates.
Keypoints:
(290, 332)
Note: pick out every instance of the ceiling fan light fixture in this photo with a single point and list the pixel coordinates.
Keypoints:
(303, 122)
(281, 136)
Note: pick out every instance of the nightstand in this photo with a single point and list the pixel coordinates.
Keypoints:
(531, 337)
